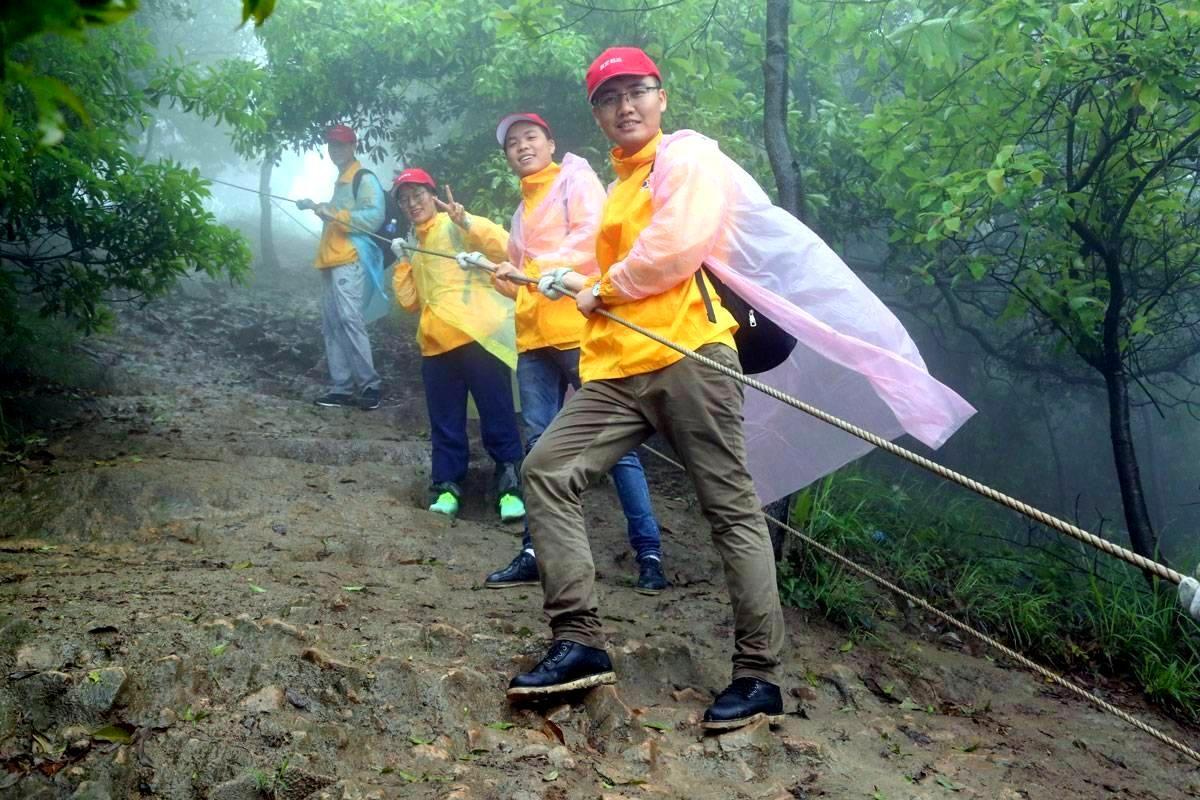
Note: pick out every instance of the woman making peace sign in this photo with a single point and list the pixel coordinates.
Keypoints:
(467, 341)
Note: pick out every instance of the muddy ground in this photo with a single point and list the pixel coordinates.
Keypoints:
(211, 588)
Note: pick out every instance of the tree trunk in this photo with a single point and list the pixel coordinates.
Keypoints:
(775, 110)
(270, 260)
(1060, 473)
(1137, 518)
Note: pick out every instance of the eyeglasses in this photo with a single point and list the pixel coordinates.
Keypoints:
(636, 94)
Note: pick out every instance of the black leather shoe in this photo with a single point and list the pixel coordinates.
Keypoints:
(567, 666)
(522, 571)
(651, 580)
(744, 701)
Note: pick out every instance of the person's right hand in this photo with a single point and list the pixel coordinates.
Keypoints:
(400, 249)
(552, 284)
(306, 205)
(505, 271)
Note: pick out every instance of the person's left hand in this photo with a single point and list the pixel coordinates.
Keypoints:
(586, 302)
(458, 214)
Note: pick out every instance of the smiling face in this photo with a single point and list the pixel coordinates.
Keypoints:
(416, 201)
(629, 110)
(528, 148)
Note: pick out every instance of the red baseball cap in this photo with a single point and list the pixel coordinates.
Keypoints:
(414, 175)
(341, 133)
(512, 119)
(617, 61)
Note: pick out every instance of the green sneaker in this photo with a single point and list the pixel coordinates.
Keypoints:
(447, 504)
(512, 508)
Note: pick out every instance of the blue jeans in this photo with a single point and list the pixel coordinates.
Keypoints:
(447, 378)
(543, 376)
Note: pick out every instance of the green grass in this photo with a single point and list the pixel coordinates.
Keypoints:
(1050, 598)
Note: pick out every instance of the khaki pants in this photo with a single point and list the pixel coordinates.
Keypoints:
(699, 411)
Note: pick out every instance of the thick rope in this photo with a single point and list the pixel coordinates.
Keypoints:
(1062, 526)
(1035, 514)
(981, 636)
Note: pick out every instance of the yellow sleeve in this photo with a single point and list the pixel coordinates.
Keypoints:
(404, 287)
(488, 238)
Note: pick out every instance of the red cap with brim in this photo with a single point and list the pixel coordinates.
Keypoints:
(414, 175)
(512, 119)
(617, 61)
(341, 133)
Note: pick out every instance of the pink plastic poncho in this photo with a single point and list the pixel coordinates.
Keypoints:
(853, 358)
(561, 231)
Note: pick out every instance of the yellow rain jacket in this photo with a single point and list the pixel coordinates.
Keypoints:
(648, 269)
(457, 305)
(336, 247)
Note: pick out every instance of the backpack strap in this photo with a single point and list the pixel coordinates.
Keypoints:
(708, 306)
(358, 176)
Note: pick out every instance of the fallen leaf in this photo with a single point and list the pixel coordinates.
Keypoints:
(500, 726)
(257, 589)
(352, 588)
(658, 726)
(119, 733)
(552, 775)
(220, 648)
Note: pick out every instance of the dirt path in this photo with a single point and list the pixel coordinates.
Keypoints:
(240, 592)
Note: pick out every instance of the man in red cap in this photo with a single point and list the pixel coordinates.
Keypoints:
(633, 387)
(351, 268)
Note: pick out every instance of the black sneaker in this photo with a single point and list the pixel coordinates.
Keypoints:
(523, 571)
(369, 399)
(335, 400)
(744, 701)
(651, 580)
(567, 666)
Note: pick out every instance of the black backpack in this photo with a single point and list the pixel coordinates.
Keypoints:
(762, 345)
(390, 227)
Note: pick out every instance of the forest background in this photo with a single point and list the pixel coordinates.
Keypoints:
(1017, 179)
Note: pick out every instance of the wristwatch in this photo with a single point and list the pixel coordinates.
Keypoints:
(596, 290)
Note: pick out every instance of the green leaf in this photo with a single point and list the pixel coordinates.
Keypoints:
(846, 647)
(353, 588)
(995, 179)
(417, 740)
(946, 783)
(119, 733)
(1148, 96)
(550, 776)
(658, 726)
(220, 648)
(500, 726)
(257, 589)
(1005, 154)
(908, 705)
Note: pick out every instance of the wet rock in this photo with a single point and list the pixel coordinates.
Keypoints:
(667, 661)
(560, 758)
(281, 628)
(690, 695)
(756, 735)
(37, 656)
(607, 711)
(265, 701)
(243, 788)
(431, 753)
(297, 784)
(443, 639)
(805, 748)
(482, 739)
(97, 690)
(848, 685)
(43, 698)
(92, 790)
